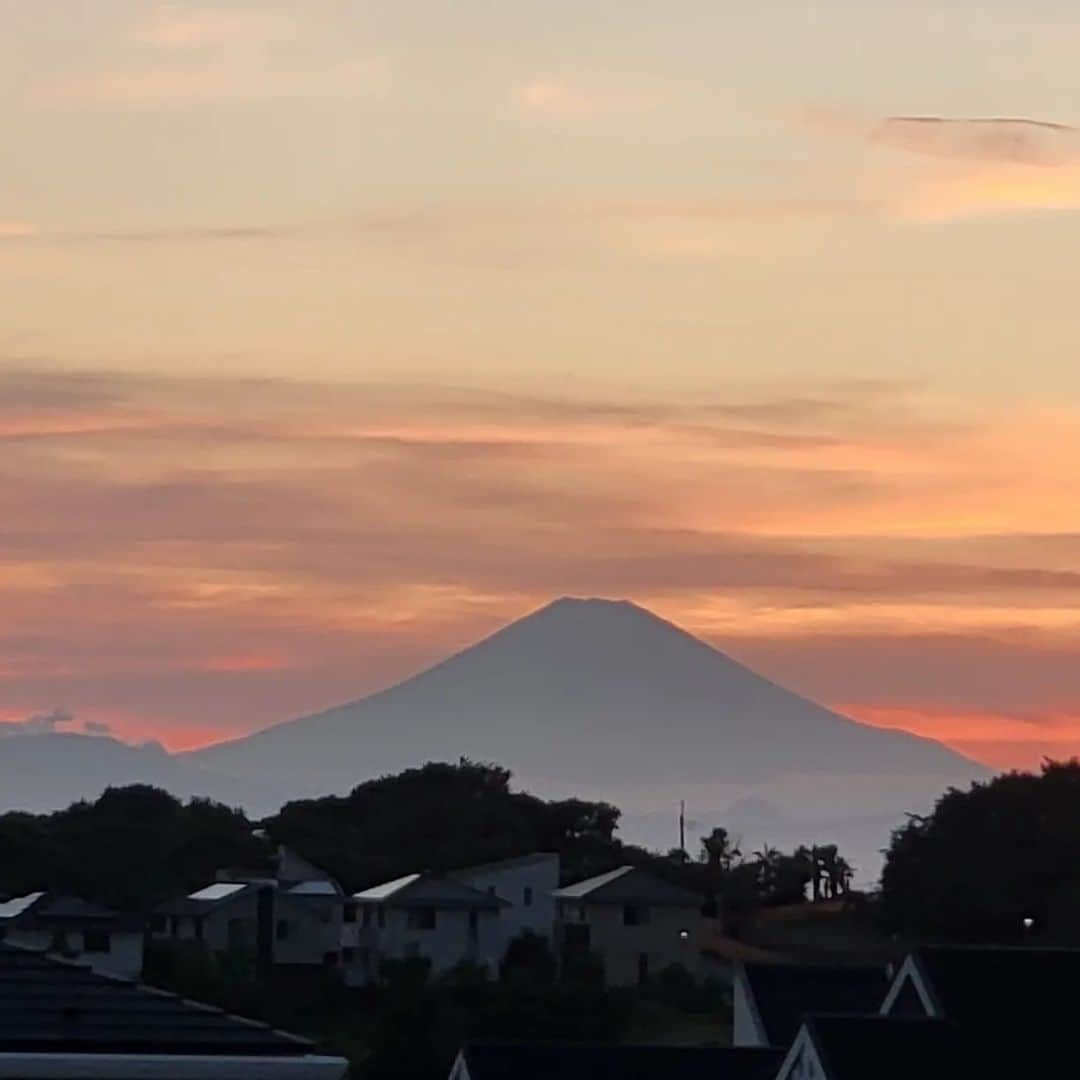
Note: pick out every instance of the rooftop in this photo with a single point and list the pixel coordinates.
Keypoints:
(430, 890)
(50, 1006)
(783, 994)
(629, 885)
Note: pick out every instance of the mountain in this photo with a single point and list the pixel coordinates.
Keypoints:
(40, 773)
(602, 699)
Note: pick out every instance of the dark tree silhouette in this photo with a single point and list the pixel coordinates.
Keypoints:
(988, 858)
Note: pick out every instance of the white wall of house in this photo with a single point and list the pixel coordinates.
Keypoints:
(123, 956)
(661, 937)
(448, 943)
(527, 886)
(307, 930)
(746, 1027)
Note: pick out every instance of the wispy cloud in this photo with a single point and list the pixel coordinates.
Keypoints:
(999, 140)
(316, 523)
(962, 166)
(16, 230)
(189, 26)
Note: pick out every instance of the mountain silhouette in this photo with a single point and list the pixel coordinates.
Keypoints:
(44, 772)
(603, 699)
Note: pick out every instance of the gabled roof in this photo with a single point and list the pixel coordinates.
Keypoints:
(206, 899)
(976, 984)
(629, 885)
(899, 1048)
(857, 1047)
(555, 1061)
(506, 864)
(49, 1006)
(429, 890)
(782, 995)
(53, 910)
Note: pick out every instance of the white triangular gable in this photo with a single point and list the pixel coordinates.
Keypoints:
(910, 975)
(803, 1062)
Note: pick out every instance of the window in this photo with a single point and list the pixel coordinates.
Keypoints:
(350, 913)
(348, 955)
(198, 929)
(382, 918)
(365, 919)
(420, 918)
(96, 941)
(632, 915)
(527, 899)
(283, 930)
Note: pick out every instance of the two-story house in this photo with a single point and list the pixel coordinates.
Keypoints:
(634, 922)
(422, 915)
(65, 926)
(527, 884)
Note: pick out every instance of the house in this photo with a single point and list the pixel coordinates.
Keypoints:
(862, 1047)
(540, 1061)
(952, 1011)
(423, 915)
(62, 1021)
(635, 923)
(276, 924)
(769, 1001)
(526, 883)
(981, 985)
(52, 922)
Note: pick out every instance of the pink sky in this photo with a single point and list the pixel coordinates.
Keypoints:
(337, 335)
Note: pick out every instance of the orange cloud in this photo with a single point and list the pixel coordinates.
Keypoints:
(322, 524)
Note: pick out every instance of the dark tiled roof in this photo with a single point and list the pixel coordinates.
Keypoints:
(506, 864)
(977, 984)
(629, 885)
(785, 993)
(891, 1048)
(58, 909)
(857, 1047)
(47, 1006)
(540, 1061)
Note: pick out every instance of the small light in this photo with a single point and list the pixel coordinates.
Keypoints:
(1029, 922)
(684, 934)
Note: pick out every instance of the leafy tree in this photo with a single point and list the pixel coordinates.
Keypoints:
(988, 858)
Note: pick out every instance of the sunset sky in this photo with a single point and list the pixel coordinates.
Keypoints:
(337, 333)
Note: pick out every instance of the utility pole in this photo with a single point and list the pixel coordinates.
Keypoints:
(682, 828)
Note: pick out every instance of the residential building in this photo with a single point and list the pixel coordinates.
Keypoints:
(636, 924)
(423, 915)
(527, 884)
(983, 985)
(62, 1021)
(69, 927)
(540, 1061)
(298, 925)
(770, 1001)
